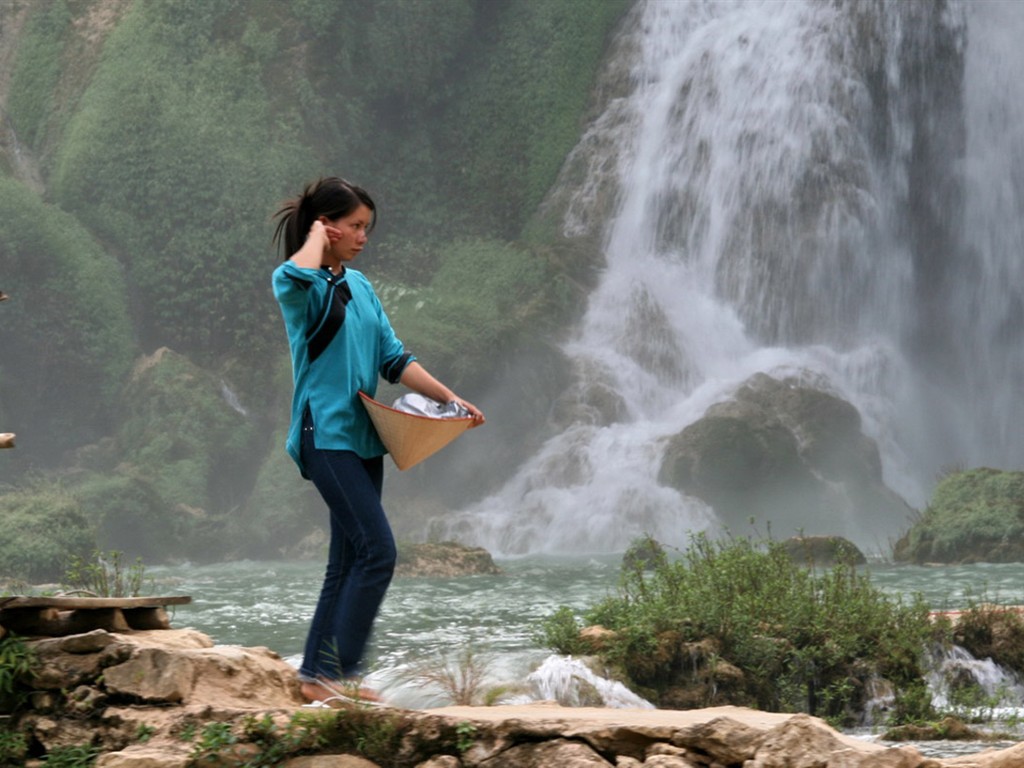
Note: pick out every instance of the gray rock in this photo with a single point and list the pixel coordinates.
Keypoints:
(790, 455)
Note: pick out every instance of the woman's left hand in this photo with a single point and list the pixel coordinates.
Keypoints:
(416, 378)
(477, 414)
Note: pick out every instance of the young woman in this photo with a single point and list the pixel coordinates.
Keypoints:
(341, 341)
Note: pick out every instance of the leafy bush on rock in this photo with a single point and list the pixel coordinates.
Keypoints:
(784, 637)
(975, 515)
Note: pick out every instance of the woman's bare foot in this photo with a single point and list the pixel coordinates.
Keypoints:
(322, 690)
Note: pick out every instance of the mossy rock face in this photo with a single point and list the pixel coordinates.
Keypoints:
(974, 516)
(644, 553)
(823, 551)
(444, 559)
(788, 454)
(186, 451)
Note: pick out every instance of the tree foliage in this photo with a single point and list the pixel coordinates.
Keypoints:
(176, 159)
(37, 71)
(43, 528)
(66, 321)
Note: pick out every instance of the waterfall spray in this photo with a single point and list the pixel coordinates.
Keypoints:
(790, 199)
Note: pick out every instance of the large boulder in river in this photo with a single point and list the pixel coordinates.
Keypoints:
(791, 456)
(974, 516)
(444, 559)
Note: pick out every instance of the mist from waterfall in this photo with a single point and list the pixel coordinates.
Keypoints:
(825, 190)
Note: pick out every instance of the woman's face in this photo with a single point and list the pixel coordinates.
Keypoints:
(350, 242)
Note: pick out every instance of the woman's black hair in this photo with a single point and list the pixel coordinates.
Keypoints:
(331, 197)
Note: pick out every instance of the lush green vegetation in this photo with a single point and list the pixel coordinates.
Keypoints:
(385, 739)
(167, 133)
(66, 335)
(975, 515)
(802, 640)
(33, 88)
(17, 662)
(175, 158)
(43, 528)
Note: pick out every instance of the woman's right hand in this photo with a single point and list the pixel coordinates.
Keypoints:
(318, 242)
(323, 233)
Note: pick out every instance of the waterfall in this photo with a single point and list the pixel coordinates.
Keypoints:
(232, 399)
(572, 683)
(811, 188)
(957, 679)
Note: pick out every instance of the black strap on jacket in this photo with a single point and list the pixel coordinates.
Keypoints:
(332, 317)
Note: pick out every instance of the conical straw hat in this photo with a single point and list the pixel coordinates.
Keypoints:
(411, 438)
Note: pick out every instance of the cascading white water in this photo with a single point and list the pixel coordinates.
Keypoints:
(999, 688)
(787, 203)
(987, 306)
(572, 683)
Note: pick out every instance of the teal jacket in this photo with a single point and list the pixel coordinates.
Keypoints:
(341, 342)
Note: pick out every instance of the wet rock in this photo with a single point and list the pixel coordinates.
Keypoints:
(446, 559)
(728, 740)
(144, 757)
(338, 761)
(441, 761)
(789, 454)
(139, 712)
(643, 554)
(560, 752)
(596, 638)
(947, 729)
(823, 551)
(153, 675)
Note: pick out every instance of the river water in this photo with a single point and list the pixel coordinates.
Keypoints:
(430, 622)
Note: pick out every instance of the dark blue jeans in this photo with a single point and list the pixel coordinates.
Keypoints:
(360, 559)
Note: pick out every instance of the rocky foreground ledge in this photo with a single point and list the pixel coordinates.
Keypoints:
(143, 699)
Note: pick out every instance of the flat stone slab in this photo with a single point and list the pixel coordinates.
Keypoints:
(582, 719)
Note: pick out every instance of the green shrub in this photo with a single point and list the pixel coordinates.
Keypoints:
(13, 748)
(804, 641)
(106, 574)
(973, 515)
(179, 430)
(76, 756)
(17, 662)
(561, 632)
(529, 69)
(43, 527)
(282, 509)
(128, 513)
(994, 632)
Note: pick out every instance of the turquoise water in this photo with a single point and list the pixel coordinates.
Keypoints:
(429, 622)
(422, 621)
(270, 603)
